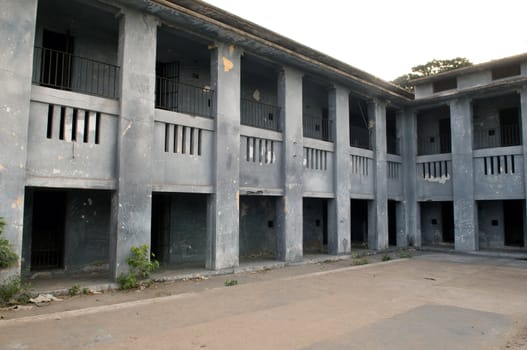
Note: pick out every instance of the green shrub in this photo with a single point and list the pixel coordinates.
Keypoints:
(386, 257)
(361, 261)
(229, 283)
(13, 291)
(74, 290)
(7, 256)
(140, 267)
(405, 254)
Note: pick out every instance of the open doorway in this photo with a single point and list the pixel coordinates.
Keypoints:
(315, 225)
(48, 228)
(513, 214)
(392, 223)
(359, 223)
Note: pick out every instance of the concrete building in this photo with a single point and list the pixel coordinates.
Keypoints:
(215, 141)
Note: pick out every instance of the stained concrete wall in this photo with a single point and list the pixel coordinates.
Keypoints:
(87, 230)
(257, 226)
(431, 223)
(17, 25)
(259, 83)
(491, 224)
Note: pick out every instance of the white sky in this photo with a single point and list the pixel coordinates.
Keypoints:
(387, 37)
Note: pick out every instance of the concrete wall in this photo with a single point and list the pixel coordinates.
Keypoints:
(431, 223)
(257, 226)
(87, 230)
(491, 224)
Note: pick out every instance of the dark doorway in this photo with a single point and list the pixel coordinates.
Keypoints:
(509, 128)
(392, 223)
(315, 227)
(56, 60)
(359, 222)
(47, 238)
(447, 219)
(444, 136)
(513, 213)
(167, 85)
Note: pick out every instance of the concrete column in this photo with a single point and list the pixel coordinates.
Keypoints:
(378, 208)
(412, 217)
(465, 208)
(289, 207)
(223, 206)
(131, 204)
(339, 207)
(17, 25)
(523, 118)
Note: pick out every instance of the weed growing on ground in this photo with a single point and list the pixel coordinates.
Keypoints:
(405, 254)
(86, 291)
(74, 290)
(230, 283)
(13, 291)
(386, 257)
(359, 261)
(357, 255)
(140, 267)
(7, 256)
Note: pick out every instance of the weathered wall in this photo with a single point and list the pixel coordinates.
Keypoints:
(431, 223)
(259, 83)
(87, 230)
(491, 224)
(257, 226)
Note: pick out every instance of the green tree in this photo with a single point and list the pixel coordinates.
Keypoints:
(432, 67)
(7, 256)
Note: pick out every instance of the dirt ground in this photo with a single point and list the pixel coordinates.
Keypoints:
(432, 301)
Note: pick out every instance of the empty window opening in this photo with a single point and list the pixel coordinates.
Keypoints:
(179, 229)
(315, 230)
(359, 223)
(445, 84)
(360, 131)
(257, 230)
(506, 71)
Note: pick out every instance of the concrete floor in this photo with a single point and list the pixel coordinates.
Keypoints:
(432, 301)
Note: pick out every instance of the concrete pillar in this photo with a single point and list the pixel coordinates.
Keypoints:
(131, 204)
(523, 118)
(465, 208)
(17, 25)
(339, 207)
(223, 206)
(378, 208)
(289, 207)
(412, 216)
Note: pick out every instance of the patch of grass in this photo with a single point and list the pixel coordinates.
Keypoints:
(86, 291)
(359, 261)
(357, 255)
(13, 291)
(7, 256)
(405, 254)
(74, 290)
(230, 283)
(386, 257)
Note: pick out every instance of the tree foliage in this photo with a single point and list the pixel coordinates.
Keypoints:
(430, 68)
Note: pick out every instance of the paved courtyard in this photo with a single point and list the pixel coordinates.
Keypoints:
(432, 301)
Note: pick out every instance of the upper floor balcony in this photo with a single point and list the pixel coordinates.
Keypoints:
(361, 135)
(316, 121)
(433, 131)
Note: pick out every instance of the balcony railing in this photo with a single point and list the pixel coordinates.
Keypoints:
(179, 97)
(317, 128)
(65, 71)
(360, 137)
(503, 136)
(434, 145)
(260, 115)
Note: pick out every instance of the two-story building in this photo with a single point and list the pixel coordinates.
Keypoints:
(216, 142)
